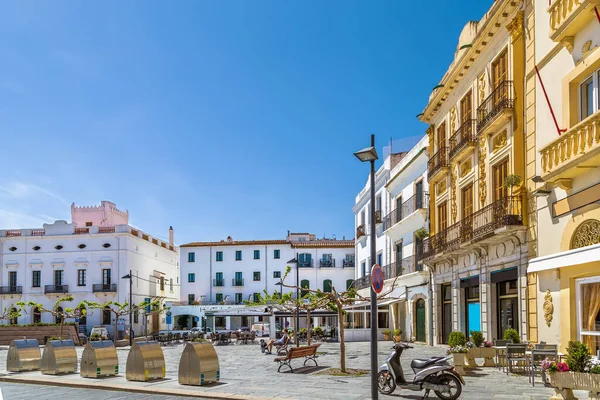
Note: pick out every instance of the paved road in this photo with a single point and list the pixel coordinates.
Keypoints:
(12, 391)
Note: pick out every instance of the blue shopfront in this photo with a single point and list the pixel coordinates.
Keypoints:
(472, 306)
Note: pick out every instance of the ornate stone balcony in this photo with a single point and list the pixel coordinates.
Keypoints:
(438, 162)
(464, 139)
(567, 17)
(569, 154)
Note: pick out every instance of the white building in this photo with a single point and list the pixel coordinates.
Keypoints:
(405, 203)
(87, 259)
(361, 218)
(230, 272)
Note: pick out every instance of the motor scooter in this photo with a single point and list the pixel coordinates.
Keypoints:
(430, 374)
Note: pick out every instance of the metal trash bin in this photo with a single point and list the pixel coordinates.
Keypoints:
(59, 357)
(145, 362)
(99, 358)
(23, 355)
(199, 365)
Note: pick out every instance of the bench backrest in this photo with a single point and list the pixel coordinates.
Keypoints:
(303, 351)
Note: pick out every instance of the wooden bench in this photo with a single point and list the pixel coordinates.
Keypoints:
(308, 352)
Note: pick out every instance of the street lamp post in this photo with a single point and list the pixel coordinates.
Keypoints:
(370, 154)
(129, 276)
(295, 261)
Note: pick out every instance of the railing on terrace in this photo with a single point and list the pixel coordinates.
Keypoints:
(464, 136)
(218, 282)
(56, 289)
(305, 264)
(327, 263)
(501, 98)
(104, 288)
(438, 161)
(408, 207)
(477, 226)
(348, 264)
(13, 233)
(11, 289)
(237, 282)
(399, 268)
(38, 232)
(82, 231)
(106, 229)
(362, 283)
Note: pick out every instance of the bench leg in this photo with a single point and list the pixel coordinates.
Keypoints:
(286, 363)
(311, 358)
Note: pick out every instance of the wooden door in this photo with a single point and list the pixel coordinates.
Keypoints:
(500, 173)
(499, 77)
(466, 108)
(441, 136)
(420, 326)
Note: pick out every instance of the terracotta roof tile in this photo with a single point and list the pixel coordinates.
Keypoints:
(325, 243)
(234, 243)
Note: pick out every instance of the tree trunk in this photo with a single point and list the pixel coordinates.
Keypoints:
(342, 345)
(296, 338)
(62, 320)
(116, 333)
(308, 325)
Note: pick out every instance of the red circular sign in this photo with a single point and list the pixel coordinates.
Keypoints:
(377, 278)
(77, 312)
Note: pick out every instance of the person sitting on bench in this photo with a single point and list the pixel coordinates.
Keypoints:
(282, 340)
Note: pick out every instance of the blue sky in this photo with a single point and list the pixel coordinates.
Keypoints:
(216, 117)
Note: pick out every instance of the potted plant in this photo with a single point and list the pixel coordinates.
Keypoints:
(386, 334)
(421, 233)
(397, 334)
(513, 207)
(478, 349)
(579, 372)
(458, 348)
(511, 334)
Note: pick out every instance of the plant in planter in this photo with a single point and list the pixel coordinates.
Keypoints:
(397, 334)
(511, 181)
(512, 334)
(579, 372)
(457, 339)
(476, 338)
(387, 333)
(458, 354)
(477, 351)
(421, 233)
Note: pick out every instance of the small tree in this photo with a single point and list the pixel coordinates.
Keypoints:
(336, 301)
(12, 311)
(57, 311)
(115, 308)
(149, 308)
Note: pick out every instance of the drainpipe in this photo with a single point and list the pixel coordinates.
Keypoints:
(210, 276)
(266, 272)
(430, 301)
(519, 286)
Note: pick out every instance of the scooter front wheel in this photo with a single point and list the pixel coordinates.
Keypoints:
(385, 382)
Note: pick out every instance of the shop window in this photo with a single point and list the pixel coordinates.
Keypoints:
(508, 306)
(446, 312)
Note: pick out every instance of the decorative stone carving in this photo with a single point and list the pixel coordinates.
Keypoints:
(515, 27)
(481, 88)
(568, 43)
(482, 175)
(453, 207)
(441, 187)
(586, 234)
(548, 308)
(586, 49)
(466, 167)
(452, 121)
(500, 140)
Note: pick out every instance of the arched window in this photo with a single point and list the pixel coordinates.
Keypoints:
(586, 234)
(349, 283)
(106, 316)
(304, 284)
(59, 311)
(13, 319)
(327, 285)
(37, 315)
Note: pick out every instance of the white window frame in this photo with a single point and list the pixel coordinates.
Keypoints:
(579, 283)
(595, 94)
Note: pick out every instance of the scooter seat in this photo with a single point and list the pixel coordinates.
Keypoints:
(421, 363)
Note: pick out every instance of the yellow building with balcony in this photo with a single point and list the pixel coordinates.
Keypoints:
(477, 248)
(564, 278)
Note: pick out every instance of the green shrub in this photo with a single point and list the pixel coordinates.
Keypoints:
(397, 332)
(318, 330)
(578, 356)
(512, 334)
(387, 332)
(476, 338)
(95, 336)
(457, 339)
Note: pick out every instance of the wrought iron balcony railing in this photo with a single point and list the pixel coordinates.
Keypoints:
(362, 283)
(348, 264)
(500, 99)
(327, 263)
(218, 282)
(464, 137)
(482, 224)
(237, 282)
(106, 288)
(11, 290)
(305, 264)
(438, 161)
(48, 289)
(411, 205)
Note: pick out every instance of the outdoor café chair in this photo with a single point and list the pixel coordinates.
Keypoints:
(535, 362)
(501, 355)
(515, 353)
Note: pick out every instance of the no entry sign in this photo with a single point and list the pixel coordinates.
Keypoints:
(377, 278)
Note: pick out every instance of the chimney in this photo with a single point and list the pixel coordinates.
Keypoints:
(171, 236)
(229, 239)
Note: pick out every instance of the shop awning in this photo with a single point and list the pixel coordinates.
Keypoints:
(582, 255)
(379, 303)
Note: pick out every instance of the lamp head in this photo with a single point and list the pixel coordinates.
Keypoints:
(367, 154)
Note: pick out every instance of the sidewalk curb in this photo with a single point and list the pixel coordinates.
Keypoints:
(123, 388)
